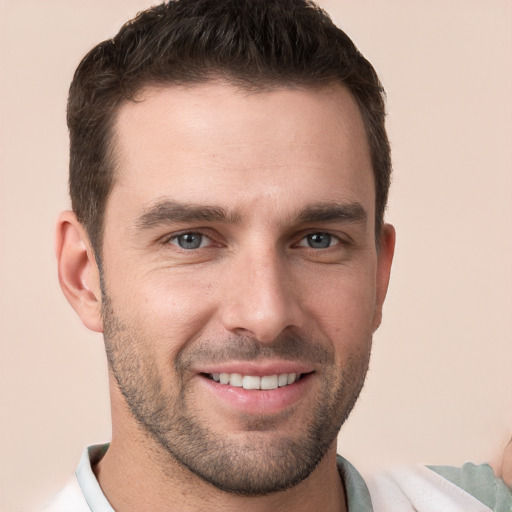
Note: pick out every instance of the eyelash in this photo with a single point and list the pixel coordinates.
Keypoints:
(176, 236)
(332, 238)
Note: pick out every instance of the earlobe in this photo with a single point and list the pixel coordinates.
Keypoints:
(78, 270)
(384, 260)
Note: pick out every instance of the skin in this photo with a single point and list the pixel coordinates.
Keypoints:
(270, 161)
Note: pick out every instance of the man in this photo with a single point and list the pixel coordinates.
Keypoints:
(229, 174)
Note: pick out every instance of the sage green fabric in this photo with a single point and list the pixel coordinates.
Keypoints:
(481, 482)
(477, 480)
(358, 496)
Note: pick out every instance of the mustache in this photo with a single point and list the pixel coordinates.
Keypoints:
(288, 346)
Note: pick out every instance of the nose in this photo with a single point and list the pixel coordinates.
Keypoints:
(261, 297)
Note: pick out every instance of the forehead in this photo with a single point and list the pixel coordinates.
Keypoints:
(217, 143)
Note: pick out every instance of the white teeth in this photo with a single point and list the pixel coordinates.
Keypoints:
(251, 382)
(269, 382)
(236, 380)
(255, 382)
(282, 380)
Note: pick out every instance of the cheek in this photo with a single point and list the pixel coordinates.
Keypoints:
(343, 307)
(165, 310)
(344, 296)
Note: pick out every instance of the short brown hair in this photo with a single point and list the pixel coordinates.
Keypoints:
(252, 43)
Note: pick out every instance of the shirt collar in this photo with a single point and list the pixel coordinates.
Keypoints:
(358, 496)
(87, 479)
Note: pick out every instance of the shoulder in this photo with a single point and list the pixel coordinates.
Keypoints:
(83, 492)
(69, 499)
(469, 488)
(479, 481)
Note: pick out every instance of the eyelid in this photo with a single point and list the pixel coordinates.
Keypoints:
(335, 237)
(203, 243)
(338, 238)
(205, 233)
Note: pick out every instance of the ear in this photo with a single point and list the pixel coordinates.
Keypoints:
(78, 271)
(385, 253)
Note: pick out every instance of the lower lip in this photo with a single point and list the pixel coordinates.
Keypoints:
(254, 401)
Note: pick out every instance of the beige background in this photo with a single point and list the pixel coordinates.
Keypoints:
(439, 389)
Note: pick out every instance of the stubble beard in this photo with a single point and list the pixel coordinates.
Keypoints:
(247, 464)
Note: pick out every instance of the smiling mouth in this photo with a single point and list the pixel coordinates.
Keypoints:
(265, 382)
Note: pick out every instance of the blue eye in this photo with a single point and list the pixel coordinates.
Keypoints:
(189, 241)
(319, 241)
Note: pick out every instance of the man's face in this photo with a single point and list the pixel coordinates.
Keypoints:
(239, 253)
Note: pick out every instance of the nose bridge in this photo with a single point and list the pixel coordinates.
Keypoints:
(262, 300)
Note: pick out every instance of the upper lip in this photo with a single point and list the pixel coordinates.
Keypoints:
(258, 369)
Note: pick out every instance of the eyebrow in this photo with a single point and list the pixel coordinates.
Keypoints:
(167, 211)
(325, 212)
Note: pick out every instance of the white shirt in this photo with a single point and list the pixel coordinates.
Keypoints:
(417, 489)
(83, 493)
